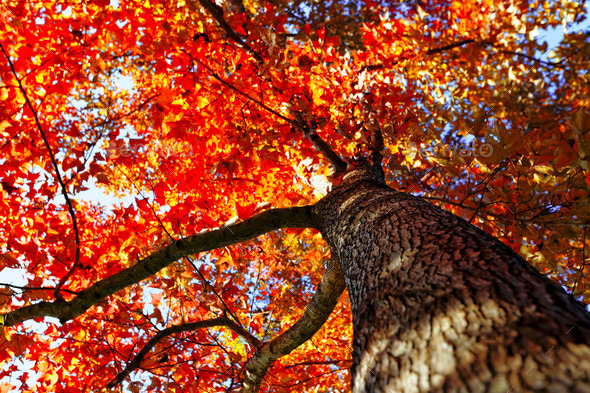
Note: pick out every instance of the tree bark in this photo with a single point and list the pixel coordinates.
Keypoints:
(441, 306)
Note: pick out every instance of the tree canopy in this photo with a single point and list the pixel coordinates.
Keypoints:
(203, 114)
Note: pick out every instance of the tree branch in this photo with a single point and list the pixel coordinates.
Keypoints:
(375, 133)
(58, 176)
(162, 334)
(232, 87)
(450, 46)
(299, 123)
(545, 63)
(25, 288)
(483, 190)
(292, 217)
(314, 317)
(319, 144)
(217, 13)
(373, 67)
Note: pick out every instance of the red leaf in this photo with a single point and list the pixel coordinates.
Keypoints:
(160, 192)
(142, 204)
(245, 212)
(208, 221)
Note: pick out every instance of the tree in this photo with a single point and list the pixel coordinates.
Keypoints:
(273, 155)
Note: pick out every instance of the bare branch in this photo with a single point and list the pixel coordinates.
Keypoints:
(162, 334)
(314, 317)
(292, 217)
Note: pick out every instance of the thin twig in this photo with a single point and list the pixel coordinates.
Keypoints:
(162, 334)
(232, 87)
(321, 145)
(546, 63)
(172, 239)
(450, 46)
(25, 288)
(373, 67)
(57, 175)
(483, 190)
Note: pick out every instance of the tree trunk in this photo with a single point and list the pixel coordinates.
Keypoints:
(441, 306)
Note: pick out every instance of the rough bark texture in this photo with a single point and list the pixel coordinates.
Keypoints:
(440, 306)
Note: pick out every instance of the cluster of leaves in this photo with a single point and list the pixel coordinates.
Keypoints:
(190, 112)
